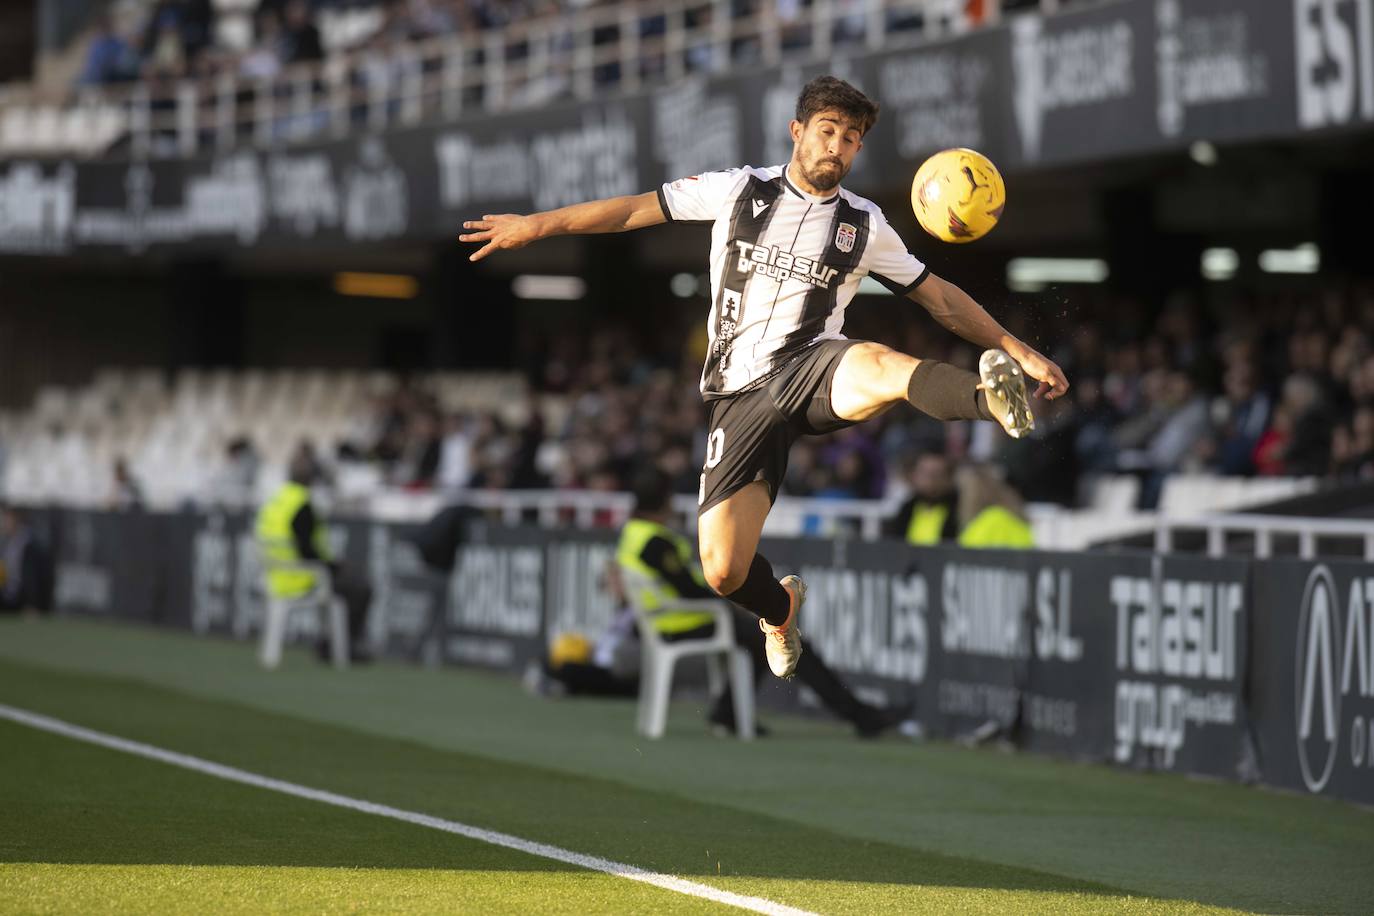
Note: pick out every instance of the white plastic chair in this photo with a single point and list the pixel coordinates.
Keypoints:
(321, 599)
(660, 656)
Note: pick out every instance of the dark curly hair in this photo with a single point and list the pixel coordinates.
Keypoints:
(826, 93)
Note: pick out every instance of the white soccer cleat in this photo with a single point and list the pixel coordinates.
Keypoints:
(1005, 385)
(782, 643)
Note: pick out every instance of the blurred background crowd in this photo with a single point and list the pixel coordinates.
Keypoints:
(1277, 385)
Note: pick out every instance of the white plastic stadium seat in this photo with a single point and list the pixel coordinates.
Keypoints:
(661, 656)
(322, 600)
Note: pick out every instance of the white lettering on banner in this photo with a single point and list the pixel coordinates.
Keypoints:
(985, 610)
(1334, 666)
(1169, 629)
(1084, 66)
(1185, 629)
(212, 576)
(469, 171)
(497, 590)
(1053, 636)
(81, 582)
(36, 211)
(230, 200)
(936, 98)
(1335, 61)
(1156, 716)
(867, 622)
(1202, 60)
(592, 161)
(694, 131)
(376, 196)
(80, 585)
(579, 601)
(401, 605)
(303, 192)
(977, 700)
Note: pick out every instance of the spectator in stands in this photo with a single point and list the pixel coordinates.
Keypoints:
(127, 492)
(1307, 451)
(301, 39)
(974, 509)
(660, 564)
(264, 60)
(25, 566)
(110, 57)
(289, 532)
(1245, 415)
(238, 478)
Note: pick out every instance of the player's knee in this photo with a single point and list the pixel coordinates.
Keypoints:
(722, 574)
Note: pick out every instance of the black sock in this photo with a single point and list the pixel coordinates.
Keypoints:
(761, 594)
(946, 392)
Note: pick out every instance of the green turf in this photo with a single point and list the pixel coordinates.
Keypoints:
(856, 827)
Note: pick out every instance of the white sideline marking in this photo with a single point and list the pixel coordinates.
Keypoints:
(233, 774)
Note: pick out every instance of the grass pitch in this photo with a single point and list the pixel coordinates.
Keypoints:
(808, 817)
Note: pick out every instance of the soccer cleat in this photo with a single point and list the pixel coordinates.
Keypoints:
(782, 643)
(1005, 385)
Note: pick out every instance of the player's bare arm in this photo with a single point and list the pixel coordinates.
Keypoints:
(956, 310)
(613, 214)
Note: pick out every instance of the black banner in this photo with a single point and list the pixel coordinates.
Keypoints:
(1312, 676)
(1232, 668)
(1118, 79)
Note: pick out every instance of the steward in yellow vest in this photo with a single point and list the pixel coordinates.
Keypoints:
(288, 532)
(665, 562)
(980, 512)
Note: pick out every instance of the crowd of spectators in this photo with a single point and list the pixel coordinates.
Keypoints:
(1279, 384)
(163, 39)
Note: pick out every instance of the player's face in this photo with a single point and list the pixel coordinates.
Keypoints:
(824, 148)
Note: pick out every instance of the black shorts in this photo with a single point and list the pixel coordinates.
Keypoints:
(752, 431)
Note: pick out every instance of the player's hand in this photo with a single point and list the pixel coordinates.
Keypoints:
(1053, 384)
(499, 231)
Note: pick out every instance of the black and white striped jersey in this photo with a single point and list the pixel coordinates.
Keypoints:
(784, 266)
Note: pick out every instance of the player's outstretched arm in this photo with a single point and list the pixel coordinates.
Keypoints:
(956, 310)
(614, 214)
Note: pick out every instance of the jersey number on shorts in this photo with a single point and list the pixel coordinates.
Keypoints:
(715, 448)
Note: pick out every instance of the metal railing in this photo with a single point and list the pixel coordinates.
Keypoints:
(596, 52)
(791, 515)
(1309, 533)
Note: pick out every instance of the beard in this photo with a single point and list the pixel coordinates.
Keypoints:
(825, 174)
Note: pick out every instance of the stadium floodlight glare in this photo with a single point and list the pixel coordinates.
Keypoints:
(1203, 153)
(684, 286)
(1030, 275)
(548, 286)
(1304, 259)
(871, 287)
(1219, 263)
(376, 286)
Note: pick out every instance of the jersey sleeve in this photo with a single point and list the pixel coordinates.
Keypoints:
(889, 262)
(697, 198)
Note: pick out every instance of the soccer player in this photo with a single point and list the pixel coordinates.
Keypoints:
(788, 249)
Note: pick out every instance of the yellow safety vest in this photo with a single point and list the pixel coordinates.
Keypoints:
(660, 593)
(997, 527)
(278, 542)
(927, 521)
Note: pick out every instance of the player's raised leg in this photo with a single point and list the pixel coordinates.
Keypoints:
(872, 377)
(728, 539)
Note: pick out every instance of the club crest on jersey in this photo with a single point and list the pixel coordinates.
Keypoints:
(845, 236)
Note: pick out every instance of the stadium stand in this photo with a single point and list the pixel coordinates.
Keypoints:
(175, 77)
(1196, 412)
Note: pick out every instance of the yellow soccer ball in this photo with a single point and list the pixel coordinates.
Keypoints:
(570, 648)
(958, 195)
